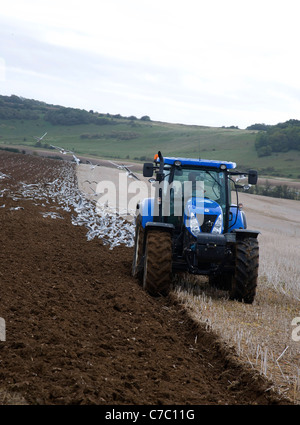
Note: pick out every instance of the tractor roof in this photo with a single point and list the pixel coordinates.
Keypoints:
(200, 162)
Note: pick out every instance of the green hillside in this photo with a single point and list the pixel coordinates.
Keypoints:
(129, 138)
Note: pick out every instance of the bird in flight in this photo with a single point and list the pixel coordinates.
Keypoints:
(77, 160)
(93, 166)
(129, 173)
(4, 176)
(40, 138)
(61, 150)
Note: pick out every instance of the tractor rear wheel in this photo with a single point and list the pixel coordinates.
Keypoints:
(137, 264)
(158, 263)
(244, 282)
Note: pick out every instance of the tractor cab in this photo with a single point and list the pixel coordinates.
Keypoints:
(196, 192)
(191, 225)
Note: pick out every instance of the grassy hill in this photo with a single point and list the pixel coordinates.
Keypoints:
(129, 138)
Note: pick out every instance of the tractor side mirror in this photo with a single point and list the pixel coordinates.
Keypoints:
(252, 177)
(148, 169)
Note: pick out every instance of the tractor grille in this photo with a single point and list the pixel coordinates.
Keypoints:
(208, 223)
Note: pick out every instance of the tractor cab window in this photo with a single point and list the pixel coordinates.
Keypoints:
(166, 179)
(195, 183)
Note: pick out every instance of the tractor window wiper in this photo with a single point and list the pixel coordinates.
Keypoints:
(213, 178)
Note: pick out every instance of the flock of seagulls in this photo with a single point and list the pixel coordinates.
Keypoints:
(100, 220)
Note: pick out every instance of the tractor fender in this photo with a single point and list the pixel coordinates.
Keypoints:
(245, 233)
(237, 218)
(164, 227)
(145, 211)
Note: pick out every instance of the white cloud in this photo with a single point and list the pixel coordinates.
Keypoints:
(197, 62)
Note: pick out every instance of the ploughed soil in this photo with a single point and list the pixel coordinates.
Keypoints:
(79, 328)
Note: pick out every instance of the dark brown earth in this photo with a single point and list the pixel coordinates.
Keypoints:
(79, 328)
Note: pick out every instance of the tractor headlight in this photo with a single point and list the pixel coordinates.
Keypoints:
(194, 225)
(218, 225)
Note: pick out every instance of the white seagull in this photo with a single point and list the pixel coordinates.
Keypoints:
(40, 138)
(77, 160)
(93, 166)
(129, 173)
(4, 176)
(61, 150)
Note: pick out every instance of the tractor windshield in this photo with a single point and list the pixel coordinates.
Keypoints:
(204, 183)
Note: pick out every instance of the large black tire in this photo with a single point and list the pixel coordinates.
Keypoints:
(244, 282)
(137, 262)
(157, 276)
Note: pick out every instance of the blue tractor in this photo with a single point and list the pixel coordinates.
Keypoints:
(190, 225)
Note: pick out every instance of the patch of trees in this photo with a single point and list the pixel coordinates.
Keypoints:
(145, 118)
(17, 114)
(278, 138)
(14, 107)
(69, 116)
(260, 127)
(231, 127)
(278, 191)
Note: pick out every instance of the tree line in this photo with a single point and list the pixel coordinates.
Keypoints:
(281, 137)
(15, 107)
(72, 116)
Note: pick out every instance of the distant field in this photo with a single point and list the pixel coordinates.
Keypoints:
(139, 141)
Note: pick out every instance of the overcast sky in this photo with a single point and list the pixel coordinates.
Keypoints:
(215, 63)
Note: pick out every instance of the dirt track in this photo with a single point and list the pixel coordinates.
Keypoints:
(79, 329)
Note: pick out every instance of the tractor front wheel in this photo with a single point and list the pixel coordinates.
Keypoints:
(157, 276)
(244, 282)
